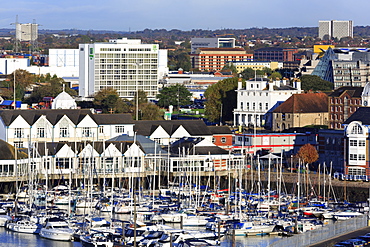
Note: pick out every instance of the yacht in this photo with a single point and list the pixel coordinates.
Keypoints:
(56, 229)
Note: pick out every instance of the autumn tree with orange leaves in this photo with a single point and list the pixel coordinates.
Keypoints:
(308, 154)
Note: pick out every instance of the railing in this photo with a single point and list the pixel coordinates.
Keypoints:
(323, 233)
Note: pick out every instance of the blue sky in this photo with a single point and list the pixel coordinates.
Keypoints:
(124, 15)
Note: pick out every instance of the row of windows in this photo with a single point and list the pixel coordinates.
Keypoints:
(120, 55)
(64, 132)
(340, 101)
(121, 61)
(355, 157)
(253, 106)
(356, 171)
(355, 143)
(126, 66)
(125, 72)
(120, 88)
(254, 93)
(347, 78)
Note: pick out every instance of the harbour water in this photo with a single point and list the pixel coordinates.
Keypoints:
(14, 239)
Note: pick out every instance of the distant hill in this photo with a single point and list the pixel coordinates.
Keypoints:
(362, 31)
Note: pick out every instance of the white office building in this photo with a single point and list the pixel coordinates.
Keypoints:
(335, 29)
(259, 97)
(125, 65)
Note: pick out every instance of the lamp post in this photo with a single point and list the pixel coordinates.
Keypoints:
(137, 64)
(15, 107)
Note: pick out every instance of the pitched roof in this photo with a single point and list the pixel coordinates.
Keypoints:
(189, 146)
(304, 103)
(194, 127)
(124, 118)
(354, 92)
(362, 114)
(54, 115)
(219, 130)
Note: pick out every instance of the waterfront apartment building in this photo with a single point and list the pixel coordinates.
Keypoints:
(356, 143)
(125, 65)
(214, 59)
(22, 127)
(335, 29)
(211, 43)
(259, 98)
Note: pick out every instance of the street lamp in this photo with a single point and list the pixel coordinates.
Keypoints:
(137, 89)
(15, 107)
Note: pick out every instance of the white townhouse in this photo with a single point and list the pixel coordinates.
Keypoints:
(21, 127)
(356, 143)
(258, 97)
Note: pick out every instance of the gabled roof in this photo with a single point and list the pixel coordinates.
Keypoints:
(304, 103)
(189, 146)
(217, 130)
(194, 127)
(362, 114)
(54, 115)
(147, 145)
(354, 92)
(124, 118)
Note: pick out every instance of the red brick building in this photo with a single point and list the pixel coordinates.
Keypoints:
(214, 59)
(343, 102)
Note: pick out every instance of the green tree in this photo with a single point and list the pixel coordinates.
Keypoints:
(23, 79)
(221, 95)
(230, 67)
(315, 83)
(275, 75)
(51, 89)
(108, 100)
(150, 111)
(175, 95)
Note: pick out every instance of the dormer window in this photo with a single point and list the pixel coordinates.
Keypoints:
(356, 129)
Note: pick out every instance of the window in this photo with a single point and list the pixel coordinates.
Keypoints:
(62, 163)
(356, 171)
(353, 143)
(101, 129)
(356, 129)
(18, 144)
(86, 132)
(361, 143)
(223, 139)
(41, 132)
(361, 157)
(213, 140)
(18, 133)
(64, 132)
(352, 156)
(120, 129)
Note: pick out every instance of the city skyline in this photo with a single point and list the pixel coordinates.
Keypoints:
(123, 15)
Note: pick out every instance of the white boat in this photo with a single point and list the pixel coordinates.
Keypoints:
(250, 228)
(98, 239)
(24, 225)
(4, 219)
(172, 217)
(56, 229)
(195, 220)
(345, 215)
